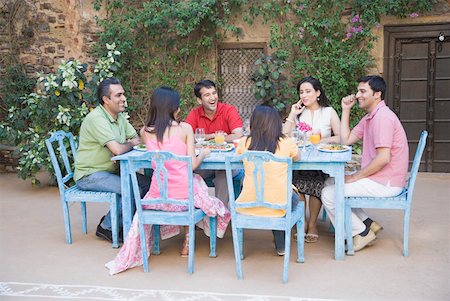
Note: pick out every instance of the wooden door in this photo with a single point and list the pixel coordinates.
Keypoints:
(417, 66)
(236, 64)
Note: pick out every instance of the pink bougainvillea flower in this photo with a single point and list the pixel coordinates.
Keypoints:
(356, 19)
(349, 35)
(414, 15)
(303, 127)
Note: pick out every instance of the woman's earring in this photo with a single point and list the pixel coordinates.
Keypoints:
(318, 98)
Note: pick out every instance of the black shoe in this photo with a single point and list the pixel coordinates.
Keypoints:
(107, 234)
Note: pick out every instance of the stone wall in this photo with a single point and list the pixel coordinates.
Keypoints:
(40, 33)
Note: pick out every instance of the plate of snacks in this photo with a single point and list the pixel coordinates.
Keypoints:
(214, 147)
(333, 148)
(140, 147)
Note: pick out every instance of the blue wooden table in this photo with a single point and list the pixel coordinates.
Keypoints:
(312, 159)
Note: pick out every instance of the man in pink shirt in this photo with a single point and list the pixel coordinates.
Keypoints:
(384, 164)
(213, 116)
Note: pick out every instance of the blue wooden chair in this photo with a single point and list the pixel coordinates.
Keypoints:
(156, 217)
(294, 216)
(69, 191)
(401, 201)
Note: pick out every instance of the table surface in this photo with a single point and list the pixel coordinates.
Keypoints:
(310, 155)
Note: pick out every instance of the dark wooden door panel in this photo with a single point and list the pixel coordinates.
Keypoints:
(417, 69)
(441, 125)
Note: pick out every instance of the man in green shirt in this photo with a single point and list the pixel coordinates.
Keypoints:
(104, 133)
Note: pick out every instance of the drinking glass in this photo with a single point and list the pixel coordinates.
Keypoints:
(305, 137)
(246, 127)
(200, 135)
(219, 137)
(315, 136)
(295, 135)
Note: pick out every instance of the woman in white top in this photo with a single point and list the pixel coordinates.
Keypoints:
(314, 109)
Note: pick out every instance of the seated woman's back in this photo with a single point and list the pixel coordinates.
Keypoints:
(174, 141)
(275, 179)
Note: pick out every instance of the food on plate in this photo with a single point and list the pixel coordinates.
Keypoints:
(218, 147)
(334, 147)
(140, 147)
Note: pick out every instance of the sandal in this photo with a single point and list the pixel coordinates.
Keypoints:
(185, 247)
(311, 238)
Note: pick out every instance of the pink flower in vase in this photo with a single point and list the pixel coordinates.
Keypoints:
(303, 127)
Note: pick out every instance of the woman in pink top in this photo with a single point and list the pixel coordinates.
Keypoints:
(162, 131)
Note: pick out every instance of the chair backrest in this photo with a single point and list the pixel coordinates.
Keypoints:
(416, 164)
(258, 158)
(156, 160)
(62, 164)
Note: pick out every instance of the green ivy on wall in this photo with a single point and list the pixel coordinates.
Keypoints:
(330, 40)
(165, 43)
(173, 43)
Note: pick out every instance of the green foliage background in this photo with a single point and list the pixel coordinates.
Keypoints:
(173, 43)
(166, 42)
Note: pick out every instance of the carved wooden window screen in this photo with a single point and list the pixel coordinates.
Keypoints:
(235, 67)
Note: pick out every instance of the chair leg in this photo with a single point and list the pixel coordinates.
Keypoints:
(113, 208)
(212, 236)
(191, 248)
(156, 239)
(237, 250)
(406, 231)
(348, 230)
(83, 217)
(287, 250)
(67, 222)
(240, 232)
(143, 246)
(300, 241)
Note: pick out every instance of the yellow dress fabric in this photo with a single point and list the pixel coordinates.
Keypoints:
(275, 181)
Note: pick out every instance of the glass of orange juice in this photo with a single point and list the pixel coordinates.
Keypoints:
(219, 137)
(315, 136)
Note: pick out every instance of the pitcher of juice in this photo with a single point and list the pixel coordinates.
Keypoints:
(315, 136)
(219, 137)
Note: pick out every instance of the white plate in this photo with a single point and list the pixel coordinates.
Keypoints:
(140, 147)
(324, 148)
(223, 148)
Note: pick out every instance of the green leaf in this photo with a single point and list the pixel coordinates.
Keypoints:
(262, 92)
(261, 70)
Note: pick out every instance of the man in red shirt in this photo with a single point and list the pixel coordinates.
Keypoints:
(213, 116)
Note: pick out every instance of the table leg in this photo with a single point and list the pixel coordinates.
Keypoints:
(339, 237)
(126, 197)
